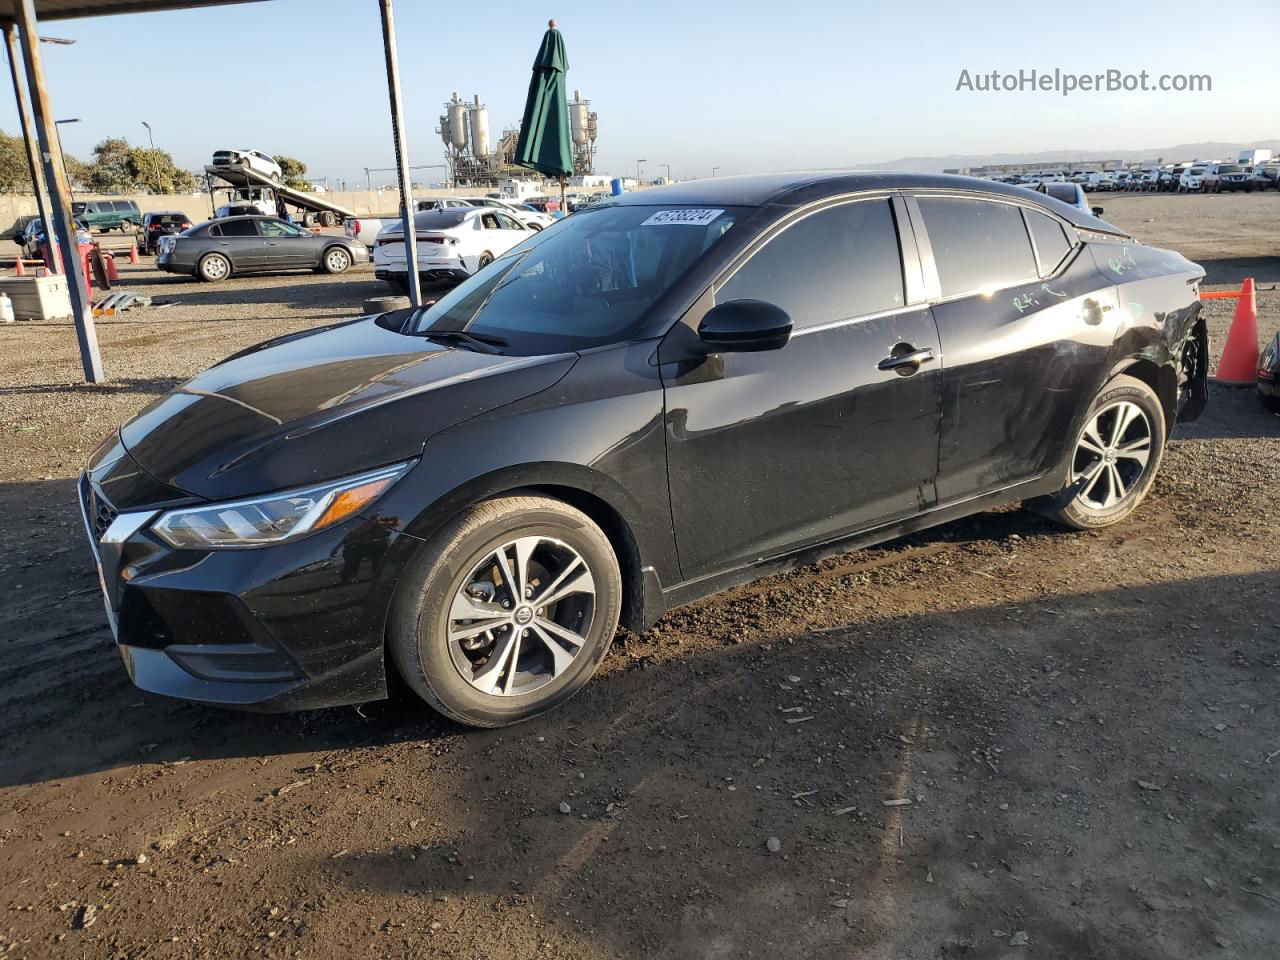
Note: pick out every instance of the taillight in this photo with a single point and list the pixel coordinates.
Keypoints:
(355, 228)
(432, 239)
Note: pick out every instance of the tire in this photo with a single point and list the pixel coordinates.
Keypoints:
(1130, 474)
(128, 227)
(213, 267)
(328, 218)
(336, 259)
(458, 571)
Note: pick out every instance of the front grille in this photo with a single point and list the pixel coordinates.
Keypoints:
(98, 511)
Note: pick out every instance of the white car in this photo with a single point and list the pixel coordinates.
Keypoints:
(530, 218)
(452, 243)
(1192, 180)
(253, 159)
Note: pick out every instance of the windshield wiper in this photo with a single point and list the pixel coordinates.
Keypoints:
(485, 342)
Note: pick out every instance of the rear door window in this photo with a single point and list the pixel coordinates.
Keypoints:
(1052, 244)
(239, 228)
(978, 245)
(835, 264)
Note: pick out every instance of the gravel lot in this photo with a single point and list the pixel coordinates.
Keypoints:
(1078, 733)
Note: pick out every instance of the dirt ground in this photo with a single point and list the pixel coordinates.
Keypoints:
(998, 739)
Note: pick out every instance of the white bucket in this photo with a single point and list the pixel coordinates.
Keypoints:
(6, 309)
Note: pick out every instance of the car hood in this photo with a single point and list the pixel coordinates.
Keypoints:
(322, 404)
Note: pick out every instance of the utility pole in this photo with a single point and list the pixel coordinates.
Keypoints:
(638, 162)
(59, 192)
(402, 152)
(28, 130)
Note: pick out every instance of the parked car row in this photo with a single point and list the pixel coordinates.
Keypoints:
(1190, 177)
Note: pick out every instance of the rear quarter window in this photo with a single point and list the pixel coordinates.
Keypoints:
(1052, 243)
(978, 245)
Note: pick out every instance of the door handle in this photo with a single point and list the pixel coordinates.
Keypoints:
(905, 359)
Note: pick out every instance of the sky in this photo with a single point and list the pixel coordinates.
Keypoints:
(742, 86)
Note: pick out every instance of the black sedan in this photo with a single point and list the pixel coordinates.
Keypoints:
(219, 248)
(672, 392)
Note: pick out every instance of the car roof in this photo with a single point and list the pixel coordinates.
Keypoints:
(797, 189)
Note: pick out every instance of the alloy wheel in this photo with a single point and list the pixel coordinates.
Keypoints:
(1111, 455)
(521, 616)
(338, 260)
(215, 268)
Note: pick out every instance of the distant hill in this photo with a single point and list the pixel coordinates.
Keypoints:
(1182, 151)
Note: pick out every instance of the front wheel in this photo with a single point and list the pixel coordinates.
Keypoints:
(1115, 458)
(507, 612)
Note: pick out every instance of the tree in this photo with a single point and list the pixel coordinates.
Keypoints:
(110, 171)
(293, 172)
(78, 171)
(15, 174)
(155, 171)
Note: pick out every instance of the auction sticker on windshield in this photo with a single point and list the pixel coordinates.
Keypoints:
(692, 218)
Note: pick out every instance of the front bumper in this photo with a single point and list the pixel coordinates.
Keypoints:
(292, 626)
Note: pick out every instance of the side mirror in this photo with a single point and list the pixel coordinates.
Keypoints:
(745, 326)
(1096, 211)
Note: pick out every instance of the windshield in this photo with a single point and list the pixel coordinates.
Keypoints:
(586, 281)
(1228, 168)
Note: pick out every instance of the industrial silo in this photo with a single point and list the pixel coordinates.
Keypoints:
(479, 130)
(457, 123)
(578, 122)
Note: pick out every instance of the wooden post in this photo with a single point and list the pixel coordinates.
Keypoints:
(28, 129)
(59, 193)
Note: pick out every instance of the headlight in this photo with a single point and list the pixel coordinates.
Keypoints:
(276, 517)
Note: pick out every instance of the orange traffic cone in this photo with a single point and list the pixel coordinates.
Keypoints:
(1239, 364)
(133, 252)
(21, 271)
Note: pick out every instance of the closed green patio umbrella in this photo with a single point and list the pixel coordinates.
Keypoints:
(544, 144)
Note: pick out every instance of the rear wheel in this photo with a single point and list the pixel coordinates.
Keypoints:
(507, 612)
(1116, 456)
(328, 218)
(214, 267)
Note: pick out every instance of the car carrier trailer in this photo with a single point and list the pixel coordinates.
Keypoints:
(242, 178)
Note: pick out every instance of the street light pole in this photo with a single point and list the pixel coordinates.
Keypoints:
(668, 166)
(638, 162)
(57, 127)
(150, 135)
(714, 171)
(402, 152)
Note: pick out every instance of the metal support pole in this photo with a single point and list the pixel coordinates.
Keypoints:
(28, 130)
(402, 153)
(59, 192)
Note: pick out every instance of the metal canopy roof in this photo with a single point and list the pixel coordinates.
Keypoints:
(72, 9)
